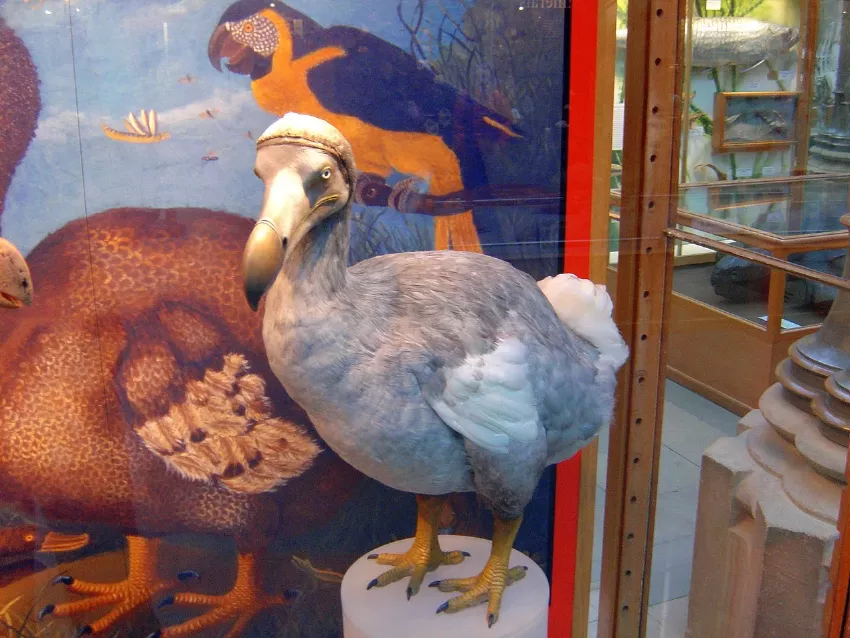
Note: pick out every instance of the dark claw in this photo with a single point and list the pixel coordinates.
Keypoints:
(409, 592)
(443, 607)
(491, 620)
(165, 602)
(436, 583)
(291, 594)
(186, 575)
(372, 583)
(84, 631)
(65, 580)
(466, 553)
(46, 611)
(372, 556)
(155, 634)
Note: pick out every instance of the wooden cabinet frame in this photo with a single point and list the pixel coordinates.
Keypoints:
(644, 284)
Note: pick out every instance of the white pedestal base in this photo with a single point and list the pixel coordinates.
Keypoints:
(385, 612)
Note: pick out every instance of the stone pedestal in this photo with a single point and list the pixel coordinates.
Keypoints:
(769, 498)
(385, 612)
(766, 526)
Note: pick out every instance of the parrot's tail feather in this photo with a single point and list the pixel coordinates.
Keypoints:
(585, 308)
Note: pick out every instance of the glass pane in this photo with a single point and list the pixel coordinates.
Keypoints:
(146, 439)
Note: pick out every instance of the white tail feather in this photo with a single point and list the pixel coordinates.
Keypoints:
(585, 308)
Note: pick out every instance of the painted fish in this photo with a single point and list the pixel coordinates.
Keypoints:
(26, 539)
(754, 126)
(734, 41)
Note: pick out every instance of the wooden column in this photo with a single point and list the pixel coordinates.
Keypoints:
(644, 283)
(809, 13)
(836, 621)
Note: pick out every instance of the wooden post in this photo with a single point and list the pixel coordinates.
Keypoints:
(805, 75)
(644, 287)
(836, 623)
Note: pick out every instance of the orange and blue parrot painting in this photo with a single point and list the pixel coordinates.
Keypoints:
(398, 116)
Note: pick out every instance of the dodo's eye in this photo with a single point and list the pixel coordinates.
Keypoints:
(247, 28)
(326, 172)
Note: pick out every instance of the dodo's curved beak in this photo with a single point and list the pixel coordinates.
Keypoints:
(261, 261)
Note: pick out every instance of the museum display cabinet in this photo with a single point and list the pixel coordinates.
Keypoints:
(157, 479)
(762, 167)
(729, 202)
(144, 439)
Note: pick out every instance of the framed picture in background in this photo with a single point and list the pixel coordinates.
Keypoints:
(754, 121)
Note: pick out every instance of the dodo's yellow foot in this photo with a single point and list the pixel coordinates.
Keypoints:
(490, 584)
(244, 601)
(423, 556)
(137, 590)
(416, 562)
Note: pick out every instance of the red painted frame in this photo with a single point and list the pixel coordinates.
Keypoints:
(577, 238)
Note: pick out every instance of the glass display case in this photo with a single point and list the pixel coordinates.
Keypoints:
(730, 202)
(129, 135)
(762, 167)
(755, 311)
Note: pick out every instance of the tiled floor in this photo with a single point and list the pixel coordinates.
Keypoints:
(691, 424)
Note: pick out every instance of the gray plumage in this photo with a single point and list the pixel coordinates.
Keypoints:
(379, 353)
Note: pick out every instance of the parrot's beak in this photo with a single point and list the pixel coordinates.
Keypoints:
(261, 262)
(240, 58)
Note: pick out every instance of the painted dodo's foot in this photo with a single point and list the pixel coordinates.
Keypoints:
(140, 587)
(490, 584)
(245, 600)
(424, 555)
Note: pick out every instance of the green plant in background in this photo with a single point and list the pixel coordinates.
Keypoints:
(702, 118)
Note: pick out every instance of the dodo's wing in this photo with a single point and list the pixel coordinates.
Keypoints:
(488, 398)
(185, 384)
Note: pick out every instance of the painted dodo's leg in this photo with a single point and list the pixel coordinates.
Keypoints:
(140, 587)
(424, 555)
(239, 605)
(490, 584)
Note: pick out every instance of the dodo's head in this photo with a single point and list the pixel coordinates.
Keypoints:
(308, 170)
(15, 279)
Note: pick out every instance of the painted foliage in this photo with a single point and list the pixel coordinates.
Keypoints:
(143, 439)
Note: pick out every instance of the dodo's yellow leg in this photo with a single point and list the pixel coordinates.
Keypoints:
(490, 584)
(424, 555)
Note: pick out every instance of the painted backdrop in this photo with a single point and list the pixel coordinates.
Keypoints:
(128, 137)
